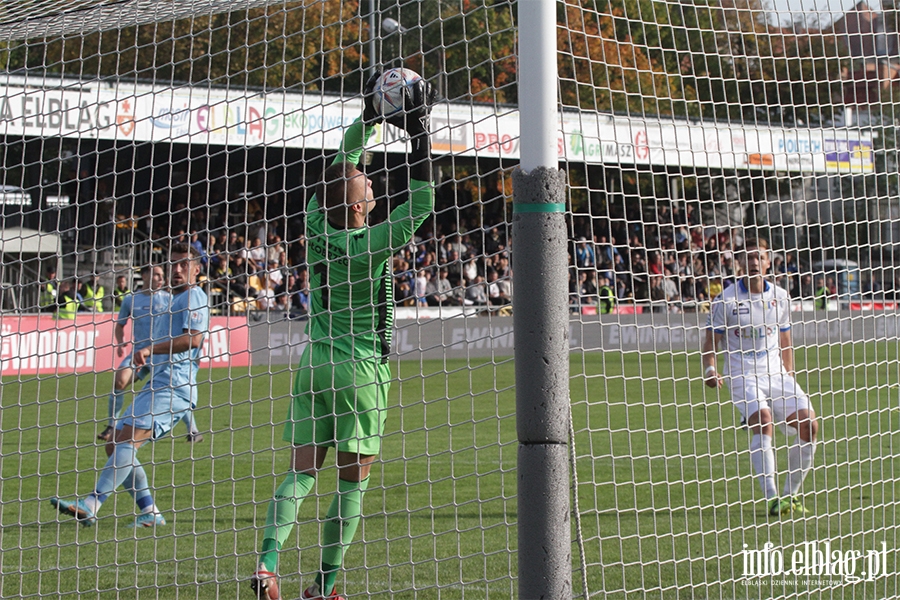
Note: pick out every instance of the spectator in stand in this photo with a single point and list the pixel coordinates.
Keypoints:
(120, 291)
(423, 276)
(607, 251)
(493, 241)
(584, 254)
(496, 294)
(404, 283)
(805, 290)
(657, 294)
(454, 265)
(655, 264)
(256, 256)
(502, 268)
(276, 251)
(476, 295)
(239, 284)
(623, 294)
(275, 273)
(198, 245)
(670, 288)
(298, 292)
(688, 289)
(458, 290)
(640, 283)
(444, 295)
(470, 267)
(587, 288)
(832, 287)
(265, 296)
(234, 246)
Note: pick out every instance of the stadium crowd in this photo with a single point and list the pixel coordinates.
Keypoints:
(667, 260)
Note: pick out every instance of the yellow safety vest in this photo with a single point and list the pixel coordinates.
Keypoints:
(93, 298)
(68, 308)
(48, 295)
(607, 299)
(822, 298)
(119, 295)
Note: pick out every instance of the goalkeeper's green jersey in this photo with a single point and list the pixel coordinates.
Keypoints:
(351, 306)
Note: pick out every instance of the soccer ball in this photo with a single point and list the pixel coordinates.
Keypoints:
(390, 90)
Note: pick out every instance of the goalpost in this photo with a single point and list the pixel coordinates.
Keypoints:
(597, 167)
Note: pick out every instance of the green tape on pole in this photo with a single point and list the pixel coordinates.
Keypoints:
(548, 207)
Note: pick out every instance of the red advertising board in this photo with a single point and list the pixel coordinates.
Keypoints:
(39, 344)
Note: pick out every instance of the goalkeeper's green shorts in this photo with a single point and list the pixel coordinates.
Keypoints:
(338, 401)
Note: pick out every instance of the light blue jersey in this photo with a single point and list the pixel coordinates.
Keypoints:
(189, 312)
(149, 316)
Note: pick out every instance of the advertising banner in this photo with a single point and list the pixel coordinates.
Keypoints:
(39, 344)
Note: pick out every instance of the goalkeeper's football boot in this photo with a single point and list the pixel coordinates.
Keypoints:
(314, 593)
(76, 509)
(148, 520)
(265, 584)
(797, 506)
(780, 506)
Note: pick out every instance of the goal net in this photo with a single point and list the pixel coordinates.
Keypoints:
(685, 129)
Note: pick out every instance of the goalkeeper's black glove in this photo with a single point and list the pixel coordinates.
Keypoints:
(415, 119)
(370, 113)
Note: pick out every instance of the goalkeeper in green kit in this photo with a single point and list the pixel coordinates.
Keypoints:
(341, 384)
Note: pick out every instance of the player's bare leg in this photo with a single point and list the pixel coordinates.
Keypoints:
(123, 379)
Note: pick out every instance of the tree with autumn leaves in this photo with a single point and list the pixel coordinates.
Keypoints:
(715, 59)
(696, 59)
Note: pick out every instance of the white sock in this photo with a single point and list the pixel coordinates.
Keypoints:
(801, 456)
(150, 509)
(762, 456)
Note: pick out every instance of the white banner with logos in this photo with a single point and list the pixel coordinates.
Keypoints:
(32, 106)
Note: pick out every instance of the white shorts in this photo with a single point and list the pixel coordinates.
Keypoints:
(779, 393)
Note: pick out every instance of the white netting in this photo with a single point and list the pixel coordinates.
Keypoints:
(685, 129)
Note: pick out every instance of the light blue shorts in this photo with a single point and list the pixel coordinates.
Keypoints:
(156, 409)
(139, 373)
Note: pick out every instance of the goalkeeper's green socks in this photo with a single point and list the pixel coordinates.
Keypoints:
(282, 515)
(341, 523)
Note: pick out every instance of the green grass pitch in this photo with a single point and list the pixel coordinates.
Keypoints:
(665, 491)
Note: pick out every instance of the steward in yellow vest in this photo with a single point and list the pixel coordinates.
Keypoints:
(119, 292)
(821, 295)
(607, 297)
(67, 301)
(93, 295)
(49, 289)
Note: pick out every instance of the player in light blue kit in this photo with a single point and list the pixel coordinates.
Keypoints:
(148, 310)
(166, 399)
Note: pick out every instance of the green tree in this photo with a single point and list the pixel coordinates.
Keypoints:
(310, 43)
(695, 58)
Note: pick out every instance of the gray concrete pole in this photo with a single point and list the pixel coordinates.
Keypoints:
(541, 324)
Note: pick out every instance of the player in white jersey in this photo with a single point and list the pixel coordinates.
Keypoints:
(751, 322)
(148, 310)
(166, 399)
